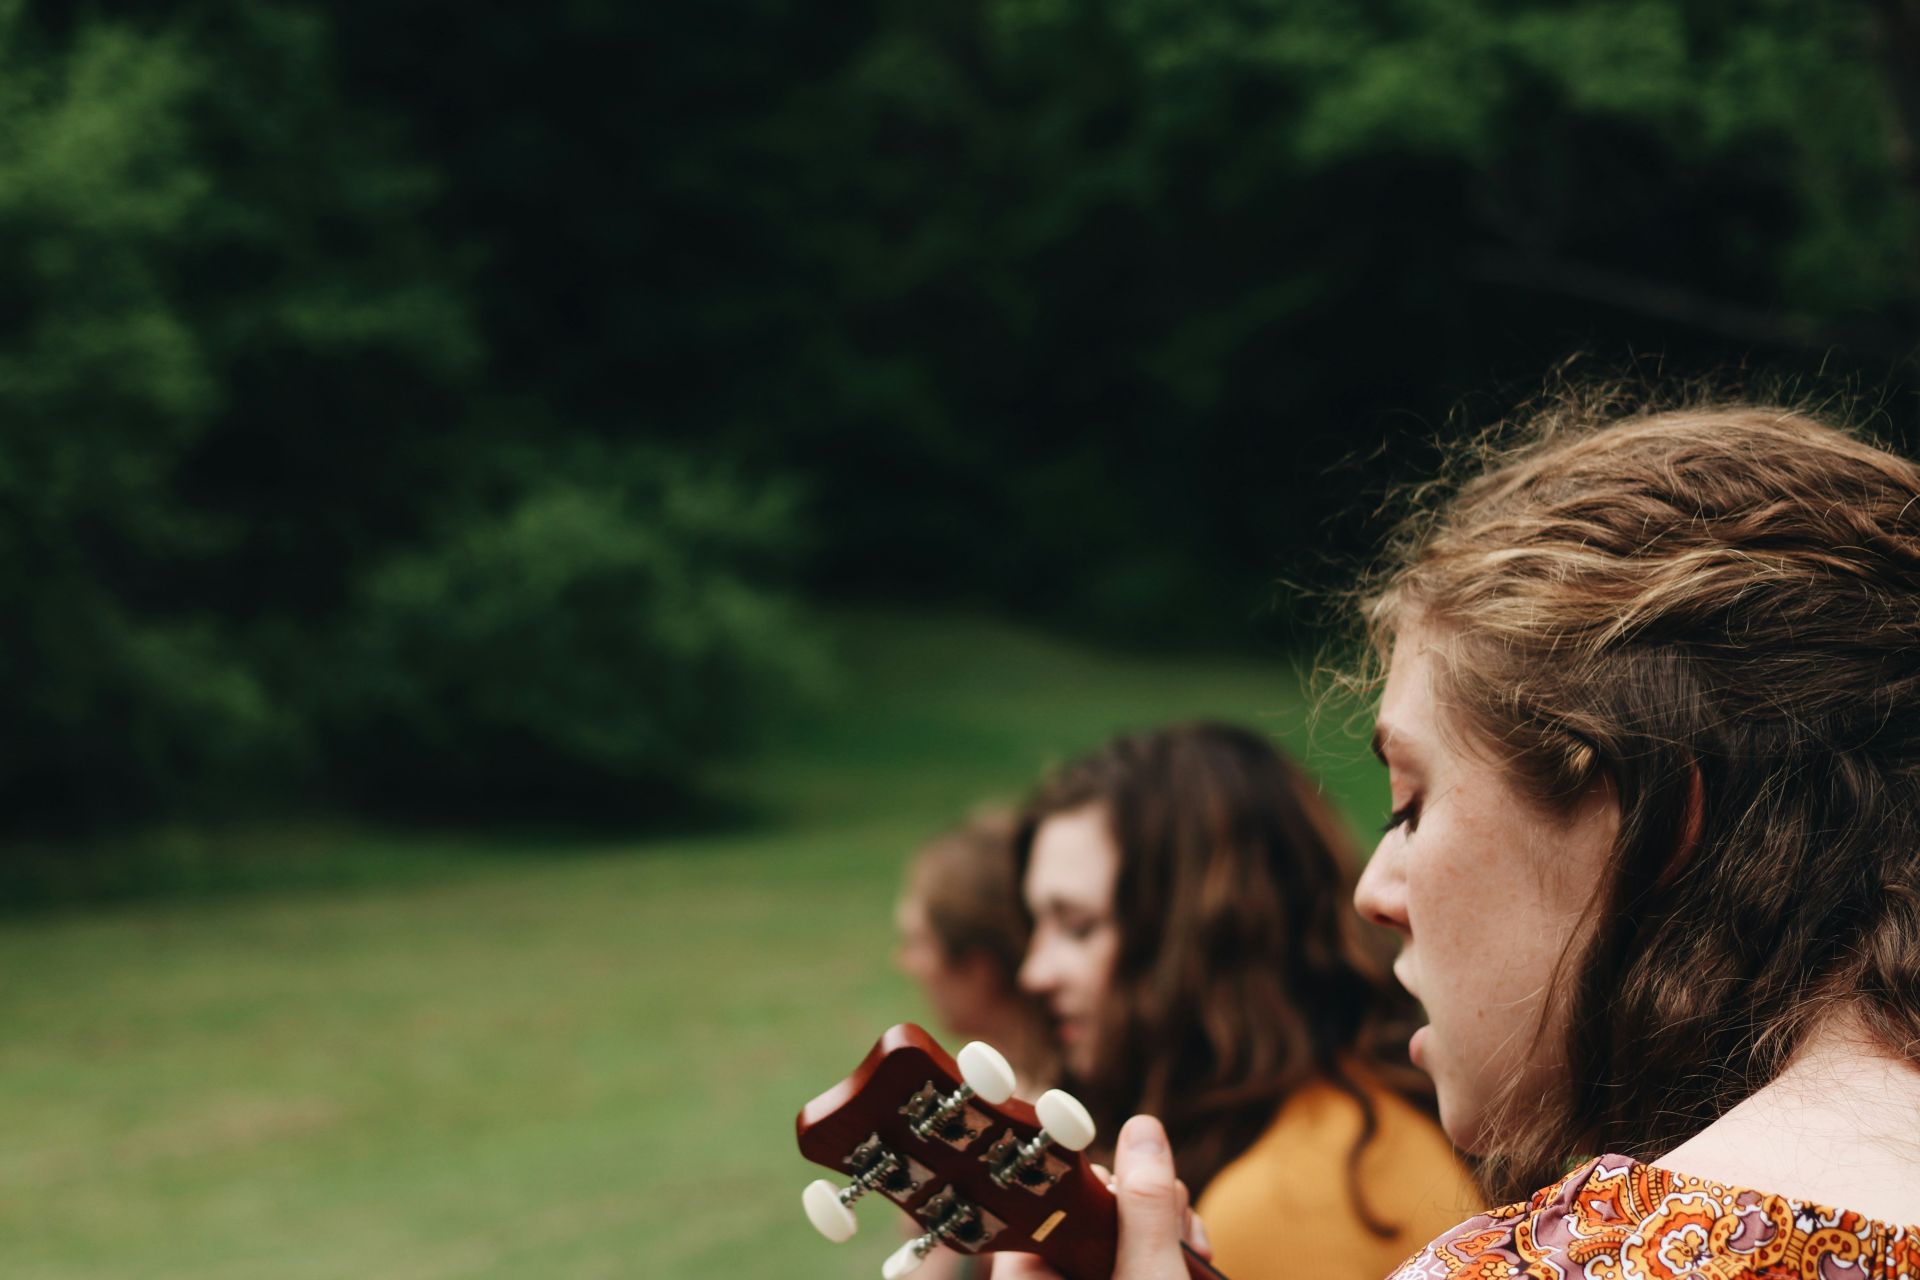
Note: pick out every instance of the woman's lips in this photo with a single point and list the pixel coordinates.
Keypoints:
(1417, 1047)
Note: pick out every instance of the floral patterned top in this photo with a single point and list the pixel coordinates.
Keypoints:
(1617, 1219)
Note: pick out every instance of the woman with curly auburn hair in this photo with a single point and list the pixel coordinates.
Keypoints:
(1651, 715)
(1188, 888)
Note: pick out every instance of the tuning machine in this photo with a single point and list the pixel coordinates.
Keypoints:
(984, 1074)
(875, 1168)
(951, 1217)
(1064, 1123)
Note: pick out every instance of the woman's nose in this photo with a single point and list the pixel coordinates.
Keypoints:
(1381, 895)
(1036, 971)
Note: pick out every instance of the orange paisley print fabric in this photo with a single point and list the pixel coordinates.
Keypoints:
(1617, 1219)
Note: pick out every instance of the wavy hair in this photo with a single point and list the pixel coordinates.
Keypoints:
(1714, 611)
(1243, 973)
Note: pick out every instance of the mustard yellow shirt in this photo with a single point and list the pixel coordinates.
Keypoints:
(1282, 1211)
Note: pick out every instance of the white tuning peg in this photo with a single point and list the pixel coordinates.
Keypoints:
(1065, 1120)
(828, 1212)
(986, 1072)
(907, 1258)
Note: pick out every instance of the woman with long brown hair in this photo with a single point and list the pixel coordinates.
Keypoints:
(1652, 721)
(1188, 892)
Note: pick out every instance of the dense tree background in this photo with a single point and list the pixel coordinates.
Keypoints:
(410, 402)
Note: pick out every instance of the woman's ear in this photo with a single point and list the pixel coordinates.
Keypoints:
(1693, 821)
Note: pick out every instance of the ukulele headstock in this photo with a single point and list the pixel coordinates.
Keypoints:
(945, 1140)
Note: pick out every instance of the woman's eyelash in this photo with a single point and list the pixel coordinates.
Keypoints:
(1403, 816)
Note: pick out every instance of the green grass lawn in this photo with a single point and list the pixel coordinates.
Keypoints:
(571, 1062)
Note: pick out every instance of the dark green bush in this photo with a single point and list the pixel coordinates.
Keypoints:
(596, 640)
(253, 532)
(118, 694)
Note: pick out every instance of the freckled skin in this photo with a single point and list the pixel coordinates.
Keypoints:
(1486, 889)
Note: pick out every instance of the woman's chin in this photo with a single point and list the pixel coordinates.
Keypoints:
(1463, 1118)
(1081, 1061)
(1464, 1133)
(1464, 1123)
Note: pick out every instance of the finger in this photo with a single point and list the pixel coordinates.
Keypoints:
(1150, 1204)
(1103, 1173)
(1021, 1266)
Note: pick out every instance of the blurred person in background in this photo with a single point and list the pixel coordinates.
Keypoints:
(962, 936)
(1193, 940)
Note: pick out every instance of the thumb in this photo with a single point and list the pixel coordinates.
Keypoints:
(1150, 1204)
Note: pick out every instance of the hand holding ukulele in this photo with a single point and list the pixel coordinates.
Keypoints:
(1155, 1218)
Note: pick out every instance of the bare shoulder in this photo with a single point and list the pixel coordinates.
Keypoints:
(1821, 1133)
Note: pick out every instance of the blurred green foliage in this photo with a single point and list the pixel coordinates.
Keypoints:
(588, 643)
(110, 381)
(401, 400)
(1072, 306)
(258, 533)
